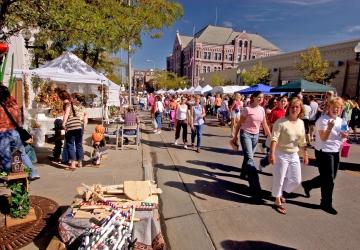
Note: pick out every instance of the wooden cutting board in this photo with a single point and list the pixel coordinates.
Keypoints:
(137, 190)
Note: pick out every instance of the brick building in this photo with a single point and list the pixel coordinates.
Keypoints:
(215, 49)
(341, 57)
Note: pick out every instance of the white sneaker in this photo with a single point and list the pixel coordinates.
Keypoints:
(158, 132)
(185, 146)
(176, 142)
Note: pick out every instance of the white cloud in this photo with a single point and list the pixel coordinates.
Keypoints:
(304, 2)
(352, 29)
(228, 24)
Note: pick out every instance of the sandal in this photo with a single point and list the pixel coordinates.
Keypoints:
(280, 209)
(70, 169)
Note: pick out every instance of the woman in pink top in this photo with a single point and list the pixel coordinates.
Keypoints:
(250, 120)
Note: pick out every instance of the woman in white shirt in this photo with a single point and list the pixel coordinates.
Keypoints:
(181, 121)
(159, 109)
(327, 145)
(288, 134)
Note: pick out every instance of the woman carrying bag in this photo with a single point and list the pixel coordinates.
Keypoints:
(73, 135)
(9, 135)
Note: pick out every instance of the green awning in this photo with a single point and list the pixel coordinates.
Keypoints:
(303, 86)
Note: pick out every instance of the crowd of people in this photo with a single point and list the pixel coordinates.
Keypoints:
(292, 125)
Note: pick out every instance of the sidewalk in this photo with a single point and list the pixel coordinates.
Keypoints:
(60, 185)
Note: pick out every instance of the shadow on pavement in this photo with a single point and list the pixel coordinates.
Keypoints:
(349, 166)
(253, 245)
(43, 239)
(215, 187)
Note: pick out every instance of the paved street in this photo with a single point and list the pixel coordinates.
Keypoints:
(206, 205)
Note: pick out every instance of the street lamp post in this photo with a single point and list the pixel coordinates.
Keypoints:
(26, 33)
(357, 58)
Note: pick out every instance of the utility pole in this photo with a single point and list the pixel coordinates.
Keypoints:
(129, 65)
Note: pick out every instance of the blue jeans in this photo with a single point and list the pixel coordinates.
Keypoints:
(197, 131)
(248, 143)
(158, 118)
(74, 137)
(9, 141)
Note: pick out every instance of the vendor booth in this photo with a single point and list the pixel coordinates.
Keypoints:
(227, 89)
(303, 86)
(73, 74)
(265, 89)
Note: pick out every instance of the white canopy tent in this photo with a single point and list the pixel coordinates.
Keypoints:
(75, 75)
(227, 89)
(203, 90)
(190, 91)
(161, 91)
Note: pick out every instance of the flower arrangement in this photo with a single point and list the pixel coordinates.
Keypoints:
(48, 96)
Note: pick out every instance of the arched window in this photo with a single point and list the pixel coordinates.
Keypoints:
(240, 43)
(245, 44)
(204, 69)
(208, 68)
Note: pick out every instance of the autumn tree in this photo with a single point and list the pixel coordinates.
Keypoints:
(169, 80)
(257, 74)
(92, 29)
(312, 67)
(216, 80)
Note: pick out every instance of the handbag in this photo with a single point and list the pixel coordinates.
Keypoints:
(24, 134)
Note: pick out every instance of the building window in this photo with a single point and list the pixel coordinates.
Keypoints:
(253, 57)
(197, 54)
(240, 43)
(197, 70)
(245, 44)
(230, 57)
(244, 57)
(239, 58)
(209, 56)
(205, 55)
(204, 69)
(208, 69)
(220, 56)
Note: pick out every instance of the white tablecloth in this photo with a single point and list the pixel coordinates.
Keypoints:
(94, 112)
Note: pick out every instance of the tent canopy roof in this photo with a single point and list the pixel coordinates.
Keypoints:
(302, 86)
(257, 87)
(70, 69)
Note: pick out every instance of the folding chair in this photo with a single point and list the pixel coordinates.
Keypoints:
(112, 132)
(136, 135)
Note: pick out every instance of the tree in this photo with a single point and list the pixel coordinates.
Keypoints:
(169, 80)
(90, 28)
(258, 73)
(312, 67)
(216, 80)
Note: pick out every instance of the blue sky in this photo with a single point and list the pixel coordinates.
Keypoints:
(290, 24)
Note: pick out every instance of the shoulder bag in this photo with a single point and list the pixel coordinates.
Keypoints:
(24, 134)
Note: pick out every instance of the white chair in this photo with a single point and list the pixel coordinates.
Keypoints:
(136, 135)
(112, 133)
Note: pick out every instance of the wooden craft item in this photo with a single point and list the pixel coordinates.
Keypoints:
(56, 244)
(137, 190)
